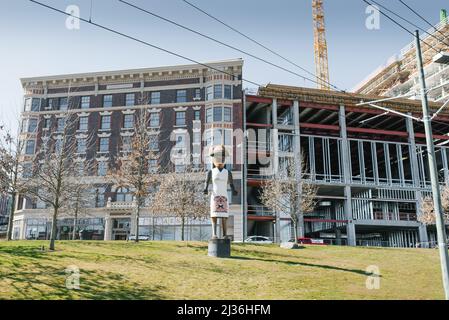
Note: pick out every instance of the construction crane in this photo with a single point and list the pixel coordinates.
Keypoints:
(320, 45)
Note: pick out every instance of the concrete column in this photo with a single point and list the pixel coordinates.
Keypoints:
(350, 227)
(297, 155)
(107, 228)
(422, 229)
(274, 136)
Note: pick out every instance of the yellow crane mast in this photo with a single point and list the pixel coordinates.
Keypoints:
(320, 45)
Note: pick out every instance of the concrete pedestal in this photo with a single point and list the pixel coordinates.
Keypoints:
(219, 248)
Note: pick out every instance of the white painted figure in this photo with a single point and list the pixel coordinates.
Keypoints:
(220, 178)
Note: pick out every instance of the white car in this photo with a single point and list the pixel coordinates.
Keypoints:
(143, 238)
(258, 240)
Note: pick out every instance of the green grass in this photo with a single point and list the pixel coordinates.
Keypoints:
(176, 270)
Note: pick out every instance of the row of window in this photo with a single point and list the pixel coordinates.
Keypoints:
(62, 103)
(30, 125)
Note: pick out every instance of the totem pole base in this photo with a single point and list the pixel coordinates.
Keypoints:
(219, 248)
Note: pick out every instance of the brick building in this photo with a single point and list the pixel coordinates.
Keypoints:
(185, 104)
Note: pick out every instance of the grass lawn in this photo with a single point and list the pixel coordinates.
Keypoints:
(176, 270)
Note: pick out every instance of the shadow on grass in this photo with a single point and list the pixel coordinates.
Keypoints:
(304, 264)
(51, 284)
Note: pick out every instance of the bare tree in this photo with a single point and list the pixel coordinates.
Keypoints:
(55, 171)
(79, 202)
(181, 195)
(134, 169)
(427, 215)
(11, 170)
(286, 192)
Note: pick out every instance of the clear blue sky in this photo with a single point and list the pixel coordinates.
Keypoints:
(36, 42)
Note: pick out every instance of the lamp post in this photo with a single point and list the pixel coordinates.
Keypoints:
(440, 226)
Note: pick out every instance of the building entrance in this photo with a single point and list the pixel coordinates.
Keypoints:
(120, 228)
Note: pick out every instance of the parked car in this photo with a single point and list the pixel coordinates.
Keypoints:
(143, 238)
(319, 242)
(258, 240)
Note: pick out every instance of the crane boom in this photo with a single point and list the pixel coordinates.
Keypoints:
(320, 45)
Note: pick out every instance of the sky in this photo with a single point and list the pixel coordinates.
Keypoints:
(36, 42)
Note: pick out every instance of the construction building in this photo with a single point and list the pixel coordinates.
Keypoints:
(399, 76)
(371, 168)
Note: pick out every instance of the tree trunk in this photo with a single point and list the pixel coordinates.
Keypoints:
(137, 220)
(53, 229)
(182, 228)
(295, 228)
(11, 218)
(75, 223)
(152, 229)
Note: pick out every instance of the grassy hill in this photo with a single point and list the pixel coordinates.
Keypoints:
(175, 270)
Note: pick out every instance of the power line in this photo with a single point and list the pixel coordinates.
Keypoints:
(256, 42)
(217, 41)
(410, 22)
(140, 41)
(400, 25)
(420, 16)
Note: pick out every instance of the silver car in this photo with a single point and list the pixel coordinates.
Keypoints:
(258, 240)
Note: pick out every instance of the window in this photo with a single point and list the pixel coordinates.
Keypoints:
(126, 143)
(197, 93)
(102, 168)
(107, 101)
(155, 97)
(152, 165)
(197, 115)
(50, 103)
(180, 118)
(209, 93)
(83, 123)
(79, 169)
(27, 170)
(218, 93)
(227, 91)
(60, 124)
(130, 99)
(128, 121)
(81, 145)
(35, 104)
(154, 119)
(47, 123)
(58, 145)
(227, 114)
(124, 195)
(27, 104)
(227, 138)
(106, 122)
(63, 103)
(218, 114)
(180, 168)
(154, 143)
(29, 149)
(99, 197)
(85, 102)
(32, 125)
(104, 145)
(181, 96)
(209, 115)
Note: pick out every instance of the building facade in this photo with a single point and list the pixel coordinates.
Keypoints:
(186, 106)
